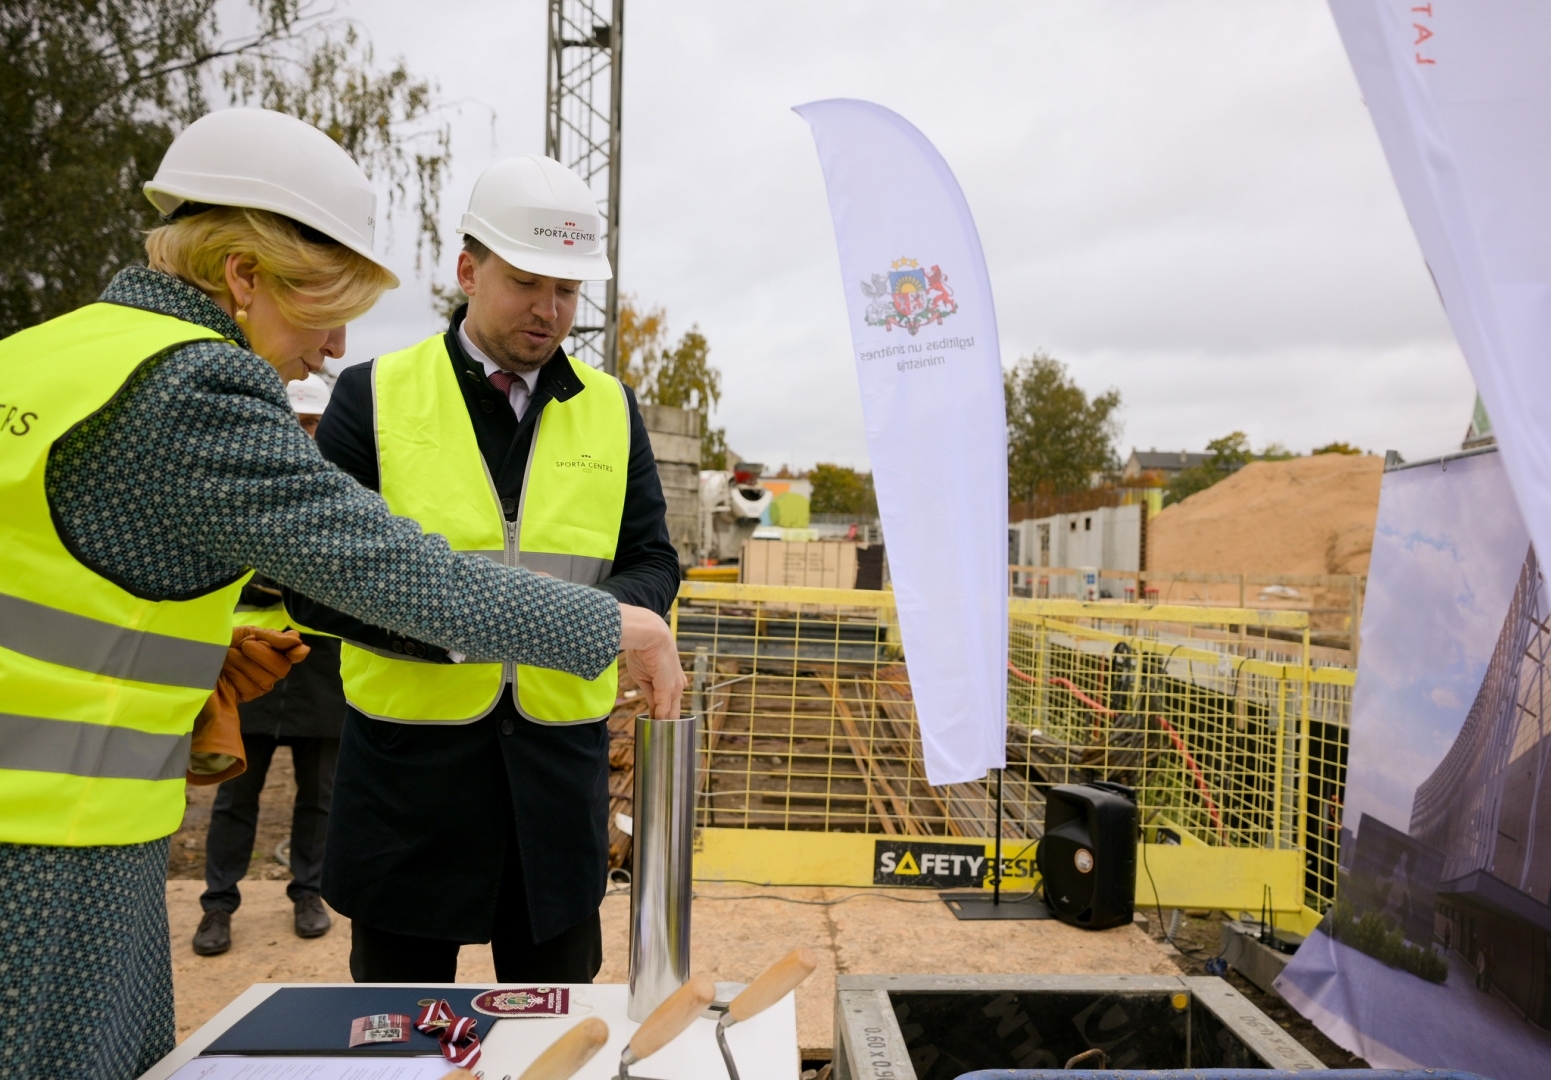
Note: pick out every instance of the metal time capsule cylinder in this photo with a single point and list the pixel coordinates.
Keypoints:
(663, 852)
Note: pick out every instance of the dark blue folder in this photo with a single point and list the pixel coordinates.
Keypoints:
(316, 1020)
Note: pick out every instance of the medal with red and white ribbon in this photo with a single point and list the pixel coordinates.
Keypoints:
(460, 1046)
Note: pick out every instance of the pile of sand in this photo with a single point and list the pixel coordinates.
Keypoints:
(1312, 515)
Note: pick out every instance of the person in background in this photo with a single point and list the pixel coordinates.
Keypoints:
(305, 712)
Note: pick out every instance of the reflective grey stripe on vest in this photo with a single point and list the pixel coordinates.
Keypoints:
(37, 744)
(75, 641)
(581, 569)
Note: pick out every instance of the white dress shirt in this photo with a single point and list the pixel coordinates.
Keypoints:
(522, 385)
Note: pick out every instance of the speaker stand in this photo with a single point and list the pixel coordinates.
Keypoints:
(974, 905)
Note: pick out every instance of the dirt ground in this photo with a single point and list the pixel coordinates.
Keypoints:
(738, 931)
(1311, 515)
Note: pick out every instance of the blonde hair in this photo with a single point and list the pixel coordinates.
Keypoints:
(318, 285)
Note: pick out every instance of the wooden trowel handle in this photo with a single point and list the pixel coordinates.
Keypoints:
(779, 979)
(670, 1018)
(569, 1052)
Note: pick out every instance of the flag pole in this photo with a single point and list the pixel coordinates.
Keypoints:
(996, 881)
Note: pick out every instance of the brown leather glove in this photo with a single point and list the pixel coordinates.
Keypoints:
(257, 659)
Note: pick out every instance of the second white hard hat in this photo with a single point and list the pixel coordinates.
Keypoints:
(540, 217)
(268, 160)
(309, 396)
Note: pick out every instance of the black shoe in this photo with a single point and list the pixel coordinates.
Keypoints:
(311, 919)
(214, 935)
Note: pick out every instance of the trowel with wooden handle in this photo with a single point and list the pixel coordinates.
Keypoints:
(777, 980)
(569, 1052)
(561, 1058)
(667, 1022)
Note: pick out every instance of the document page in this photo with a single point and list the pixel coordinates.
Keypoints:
(314, 1068)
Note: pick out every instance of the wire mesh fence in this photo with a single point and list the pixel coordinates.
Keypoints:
(1228, 730)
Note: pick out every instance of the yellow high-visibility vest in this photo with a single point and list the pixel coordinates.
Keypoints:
(99, 688)
(567, 526)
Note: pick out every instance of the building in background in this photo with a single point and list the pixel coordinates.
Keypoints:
(1106, 537)
(1164, 463)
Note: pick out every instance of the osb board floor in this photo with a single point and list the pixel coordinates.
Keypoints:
(738, 930)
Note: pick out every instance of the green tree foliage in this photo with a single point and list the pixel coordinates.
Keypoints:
(1230, 453)
(1058, 439)
(93, 91)
(841, 490)
(1337, 448)
(681, 375)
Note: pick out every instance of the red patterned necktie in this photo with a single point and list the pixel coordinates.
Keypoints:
(504, 381)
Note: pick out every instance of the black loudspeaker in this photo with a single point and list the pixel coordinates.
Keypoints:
(1087, 857)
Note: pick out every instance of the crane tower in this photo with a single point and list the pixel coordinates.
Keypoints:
(581, 131)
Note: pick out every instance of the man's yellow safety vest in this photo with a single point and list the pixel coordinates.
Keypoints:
(99, 688)
(567, 526)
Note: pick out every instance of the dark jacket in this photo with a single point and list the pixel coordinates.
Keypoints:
(309, 703)
(423, 814)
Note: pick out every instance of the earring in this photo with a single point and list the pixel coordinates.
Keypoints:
(242, 314)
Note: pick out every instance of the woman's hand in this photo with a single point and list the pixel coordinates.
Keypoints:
(652, 658)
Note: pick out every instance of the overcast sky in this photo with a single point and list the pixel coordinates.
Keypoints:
(1182, 200)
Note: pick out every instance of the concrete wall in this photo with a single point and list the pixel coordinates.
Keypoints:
(675, 435)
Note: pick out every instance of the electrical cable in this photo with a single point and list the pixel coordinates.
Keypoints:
(1194, 954)
(816, 903)
(879, 895)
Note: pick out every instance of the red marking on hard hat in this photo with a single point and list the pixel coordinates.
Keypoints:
(570, 243)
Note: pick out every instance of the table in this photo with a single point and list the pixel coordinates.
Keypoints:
(765, 1047)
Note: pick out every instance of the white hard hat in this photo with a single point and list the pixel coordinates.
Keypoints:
(309, 396)
(267, 160)
(539, 216)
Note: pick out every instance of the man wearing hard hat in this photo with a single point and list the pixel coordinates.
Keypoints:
(471, 798)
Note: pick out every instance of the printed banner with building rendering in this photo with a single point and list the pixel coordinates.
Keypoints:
(1437, 952)
(927, 358)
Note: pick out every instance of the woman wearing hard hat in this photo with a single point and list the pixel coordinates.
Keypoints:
(148, 461)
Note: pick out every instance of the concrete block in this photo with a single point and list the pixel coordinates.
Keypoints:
(671, 420)
(1258, 963)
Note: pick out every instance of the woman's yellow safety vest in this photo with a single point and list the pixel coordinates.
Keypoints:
(573, 496)
(98, 688)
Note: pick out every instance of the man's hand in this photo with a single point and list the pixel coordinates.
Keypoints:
(652, 658)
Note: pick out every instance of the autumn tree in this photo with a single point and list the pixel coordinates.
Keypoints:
(1337, 448)
(680, 375)
(838, 489)
(1058, 439)
(92, 92)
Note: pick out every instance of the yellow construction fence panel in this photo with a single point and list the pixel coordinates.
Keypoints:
(1214, 878)
(1218, 879)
